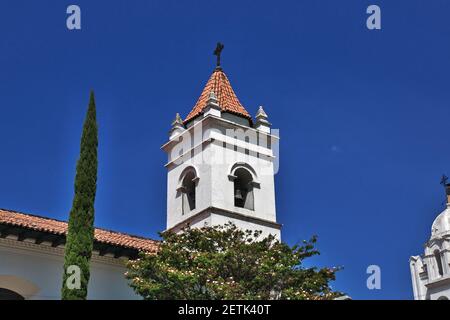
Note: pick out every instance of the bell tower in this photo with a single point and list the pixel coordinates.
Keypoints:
(221, 163)
(430, 272)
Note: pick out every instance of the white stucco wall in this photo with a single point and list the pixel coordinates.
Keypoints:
(439, 293)
(41, 266)
(427, 282)
(416, 268)
(218, 219)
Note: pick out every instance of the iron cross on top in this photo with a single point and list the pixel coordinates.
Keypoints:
(218, 52)
(444, 180)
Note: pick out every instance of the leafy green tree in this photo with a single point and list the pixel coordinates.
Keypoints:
(224, 262)
(80, 236)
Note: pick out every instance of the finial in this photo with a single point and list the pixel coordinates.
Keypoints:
(261, 113)
(261, 120)
(177, 126)
(218, 52)
(444, 182)
(177, 120)
(212, 97)
(212, 106)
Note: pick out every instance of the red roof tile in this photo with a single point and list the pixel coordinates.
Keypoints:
(228, 101)
(48, 225)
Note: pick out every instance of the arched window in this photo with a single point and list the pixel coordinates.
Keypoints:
(188, 182)
(6, 294)
(243, 189)
(438, 258)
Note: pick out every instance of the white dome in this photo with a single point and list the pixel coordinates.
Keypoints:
(441, 224)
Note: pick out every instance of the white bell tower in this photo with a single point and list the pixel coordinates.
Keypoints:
(221, 165)
(430, 272)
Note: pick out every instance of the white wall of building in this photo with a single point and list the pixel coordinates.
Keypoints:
(430, 272)
(218, 219)
(35, 271)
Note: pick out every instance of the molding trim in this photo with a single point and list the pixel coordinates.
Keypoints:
(229, 214)
(212, 118)
(438, 282)
(12, 244)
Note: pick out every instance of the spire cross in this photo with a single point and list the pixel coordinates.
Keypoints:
(444, 180)
(218, 52)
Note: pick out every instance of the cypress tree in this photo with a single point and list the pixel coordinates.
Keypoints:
(80, 235)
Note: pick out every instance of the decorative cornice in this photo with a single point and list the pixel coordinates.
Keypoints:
(12, 244)
(438, 282)
(212, 118)
(228, 213)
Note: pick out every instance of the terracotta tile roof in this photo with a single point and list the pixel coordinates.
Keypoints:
(228, 101)
(58, 227)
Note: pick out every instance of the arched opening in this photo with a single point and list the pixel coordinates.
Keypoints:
(188, 185)
(438, 258)
(6, 294)
(442, 298)
(243, 189)
(16, 287)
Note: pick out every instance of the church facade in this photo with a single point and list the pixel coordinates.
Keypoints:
(430, 272)
(220, 168)
(32, 258)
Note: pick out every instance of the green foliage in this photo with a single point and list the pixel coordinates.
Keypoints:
(224, 262)
(80, 237)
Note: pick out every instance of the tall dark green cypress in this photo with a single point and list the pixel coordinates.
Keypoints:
(80, 236)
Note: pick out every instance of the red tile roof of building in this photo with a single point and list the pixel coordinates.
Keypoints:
(228, 101)
(58, 227)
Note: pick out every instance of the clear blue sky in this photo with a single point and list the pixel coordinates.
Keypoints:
(363, 115)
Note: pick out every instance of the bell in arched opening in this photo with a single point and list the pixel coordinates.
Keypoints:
(243, 189)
